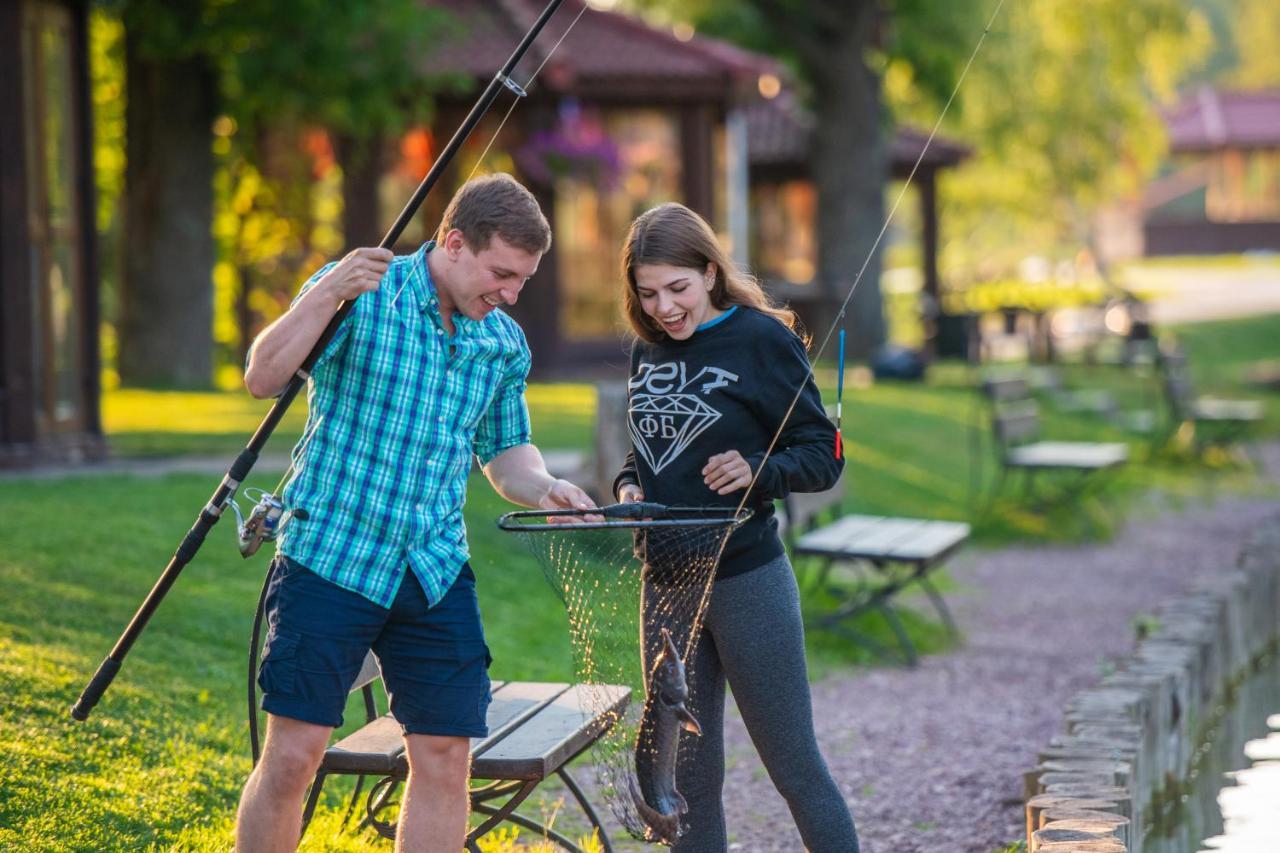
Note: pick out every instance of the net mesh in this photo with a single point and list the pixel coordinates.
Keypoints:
(622, 583)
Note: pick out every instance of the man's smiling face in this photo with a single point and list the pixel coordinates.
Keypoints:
(476, 282)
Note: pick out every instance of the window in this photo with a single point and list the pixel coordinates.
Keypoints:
(784, 222)
(591, 220)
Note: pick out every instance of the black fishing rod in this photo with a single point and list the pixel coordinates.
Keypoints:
(239, 470)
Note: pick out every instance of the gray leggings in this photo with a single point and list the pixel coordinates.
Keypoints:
(752, 637)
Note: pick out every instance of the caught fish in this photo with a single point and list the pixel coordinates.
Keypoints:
(657, 801)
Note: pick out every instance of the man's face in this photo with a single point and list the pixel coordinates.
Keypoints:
(477, 282)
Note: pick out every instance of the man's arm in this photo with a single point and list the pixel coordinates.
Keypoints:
(519, 474)
(278, 352)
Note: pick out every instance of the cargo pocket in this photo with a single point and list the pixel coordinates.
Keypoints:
(279, 668)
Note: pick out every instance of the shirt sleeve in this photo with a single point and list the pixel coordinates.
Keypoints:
(506, 422)
(804, 459)
(343, 332)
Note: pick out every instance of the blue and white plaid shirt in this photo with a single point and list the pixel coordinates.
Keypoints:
(398, 407)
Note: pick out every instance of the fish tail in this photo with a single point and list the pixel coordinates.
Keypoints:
(662, 827)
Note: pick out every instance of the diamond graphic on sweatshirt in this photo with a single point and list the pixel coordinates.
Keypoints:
(662, 426)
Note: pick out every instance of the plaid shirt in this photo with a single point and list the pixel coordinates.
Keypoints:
(397, 408)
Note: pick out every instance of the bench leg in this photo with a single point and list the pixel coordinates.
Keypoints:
(313, 797)
(378, 797)
(836, 620)
(520, 820)
(497, 815)
(939, 604)
(585, 805)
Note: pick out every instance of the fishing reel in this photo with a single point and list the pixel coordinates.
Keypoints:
(266, 520)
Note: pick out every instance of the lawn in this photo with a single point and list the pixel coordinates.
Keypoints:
(160, 762)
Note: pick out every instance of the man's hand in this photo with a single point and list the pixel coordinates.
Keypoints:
(565, 495)
(359, 272)
(726, 472)
(630, 493)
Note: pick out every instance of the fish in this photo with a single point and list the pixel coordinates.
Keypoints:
(653, 789)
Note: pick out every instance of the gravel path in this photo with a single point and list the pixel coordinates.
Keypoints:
(931, 759)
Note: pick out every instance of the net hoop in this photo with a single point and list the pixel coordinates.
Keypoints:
(627, 516)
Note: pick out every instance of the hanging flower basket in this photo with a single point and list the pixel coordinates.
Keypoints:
(578, 149)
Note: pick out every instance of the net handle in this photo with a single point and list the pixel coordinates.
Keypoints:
(635, 514)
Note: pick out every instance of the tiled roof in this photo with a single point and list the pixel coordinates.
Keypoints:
(779, 131)
(604, 51)
(1209, 118)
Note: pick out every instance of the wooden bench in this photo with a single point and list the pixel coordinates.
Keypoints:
(1215, 422)
(899, 551)
(1015, 421)
(535, 730)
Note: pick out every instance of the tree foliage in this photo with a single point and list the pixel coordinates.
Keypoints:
(355, 68)
(1062, 106)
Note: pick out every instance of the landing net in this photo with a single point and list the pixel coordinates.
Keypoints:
(603, 563)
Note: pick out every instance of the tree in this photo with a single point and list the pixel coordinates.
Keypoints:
(1062, 107)
(351, 66)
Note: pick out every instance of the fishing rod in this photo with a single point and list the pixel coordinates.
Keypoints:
(264, 521)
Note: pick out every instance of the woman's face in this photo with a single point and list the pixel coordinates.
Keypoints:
(677, 298)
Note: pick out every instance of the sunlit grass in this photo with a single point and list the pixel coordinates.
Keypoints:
(142, 422)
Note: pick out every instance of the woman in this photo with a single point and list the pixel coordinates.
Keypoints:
(713, 375)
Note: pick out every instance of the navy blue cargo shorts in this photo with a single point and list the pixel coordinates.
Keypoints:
(434, 660)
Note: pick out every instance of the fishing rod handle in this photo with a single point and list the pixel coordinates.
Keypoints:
(93, 692)
(186, 552)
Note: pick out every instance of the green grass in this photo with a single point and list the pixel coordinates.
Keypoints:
(143, 423)
(161, 761)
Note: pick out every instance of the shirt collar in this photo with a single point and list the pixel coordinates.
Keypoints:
(424, 290)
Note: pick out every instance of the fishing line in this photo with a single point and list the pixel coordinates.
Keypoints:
(844, 306)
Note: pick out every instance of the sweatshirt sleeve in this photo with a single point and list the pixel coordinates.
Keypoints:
(803, 459)
(628, 474)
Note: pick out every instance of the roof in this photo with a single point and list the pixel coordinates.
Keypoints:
(1209, 118)
(780, 131)
(604, 54)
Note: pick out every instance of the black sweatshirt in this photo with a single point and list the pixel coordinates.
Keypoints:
(727, 387)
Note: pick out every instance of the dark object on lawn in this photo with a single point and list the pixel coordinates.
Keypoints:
(657, 800)
(892, 362)
(226, 490)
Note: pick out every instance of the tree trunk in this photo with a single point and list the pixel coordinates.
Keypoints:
(362, 164)
(850, 166)
(166, 294)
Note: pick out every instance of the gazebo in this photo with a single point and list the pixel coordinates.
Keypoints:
(623, 116)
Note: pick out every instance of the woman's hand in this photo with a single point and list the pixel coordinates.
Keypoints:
(726, 472)
(630, 493)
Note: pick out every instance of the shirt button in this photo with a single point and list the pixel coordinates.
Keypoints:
(439, 331)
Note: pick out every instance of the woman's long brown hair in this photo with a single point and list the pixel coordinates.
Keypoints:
(673, 235)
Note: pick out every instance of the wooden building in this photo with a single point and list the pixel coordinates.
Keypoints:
(1221, 192)
(49, 359)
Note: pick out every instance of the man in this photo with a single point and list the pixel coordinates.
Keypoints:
(424, 373)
